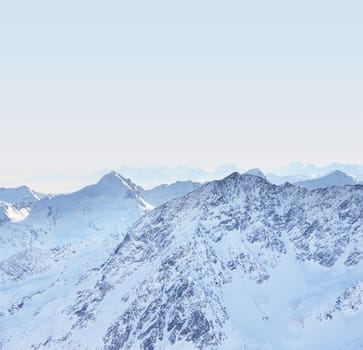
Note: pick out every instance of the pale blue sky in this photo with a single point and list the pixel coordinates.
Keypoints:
(86, 85)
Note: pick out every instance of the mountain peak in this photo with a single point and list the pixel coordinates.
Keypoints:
(255, 172)
(338, 173)
(242, 181)
(19, 195)
(111, 175)
(114, 178)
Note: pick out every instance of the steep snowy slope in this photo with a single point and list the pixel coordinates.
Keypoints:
(164, 193)
(336, 178)
(10, 213)
(236, 264)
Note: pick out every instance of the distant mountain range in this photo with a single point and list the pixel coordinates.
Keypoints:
(150, 177)
(154, 176)
(312, 171)
(295, 172)
(336, 178)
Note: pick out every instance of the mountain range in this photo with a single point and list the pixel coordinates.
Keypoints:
(237, 263)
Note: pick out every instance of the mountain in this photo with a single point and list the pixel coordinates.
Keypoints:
(70, 226)
(16, 203)
(94, 208)
(336, 178)
(312, 171)
(164, 193)
(151, 177)
(236, 264)
(255, 172)
(20, 196)
(280, 180)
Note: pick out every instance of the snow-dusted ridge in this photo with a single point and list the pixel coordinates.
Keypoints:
(236, 264)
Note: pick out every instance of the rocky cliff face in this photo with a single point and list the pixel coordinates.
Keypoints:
(237, 264)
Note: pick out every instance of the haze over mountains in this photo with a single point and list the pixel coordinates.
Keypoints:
(228, 264)
(150, 177)
(336, 178)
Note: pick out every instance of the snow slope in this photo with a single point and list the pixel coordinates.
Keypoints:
(10, 213)
(235, 264)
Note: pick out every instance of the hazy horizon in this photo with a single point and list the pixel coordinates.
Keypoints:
(148, 177)
(88, 86)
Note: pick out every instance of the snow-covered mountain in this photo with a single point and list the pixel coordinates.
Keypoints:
(20, 196)
(164, 193)
(336, 178)
(16, 203)
(236, 264)
(64, 228)
(113, 203)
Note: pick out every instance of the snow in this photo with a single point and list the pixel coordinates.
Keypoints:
(235, 264)
(18, 195)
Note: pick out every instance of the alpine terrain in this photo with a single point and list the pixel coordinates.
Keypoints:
(16, 203)
(238, 263)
